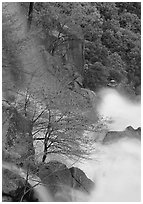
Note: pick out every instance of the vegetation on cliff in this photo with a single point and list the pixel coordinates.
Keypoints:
(54, 55)
(109, 35)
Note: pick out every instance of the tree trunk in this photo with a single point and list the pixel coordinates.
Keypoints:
(30, 14)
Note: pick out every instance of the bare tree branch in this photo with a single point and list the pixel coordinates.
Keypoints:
(39, 115)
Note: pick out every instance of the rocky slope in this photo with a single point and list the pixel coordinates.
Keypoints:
(56, 177)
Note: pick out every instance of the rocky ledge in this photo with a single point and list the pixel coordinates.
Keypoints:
(129, 132)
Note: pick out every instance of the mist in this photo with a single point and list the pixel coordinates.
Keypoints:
(120, 110)
(116, 167)
(118, 177)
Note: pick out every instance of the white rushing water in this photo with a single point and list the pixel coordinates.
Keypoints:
(116, 168)
(121, 110)
(118, 177)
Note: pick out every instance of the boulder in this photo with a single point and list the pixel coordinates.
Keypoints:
(15, 188)
(61, 180)
(62, 183)
(55, 176)
(80, 180)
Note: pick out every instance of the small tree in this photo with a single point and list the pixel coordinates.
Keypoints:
(60, 125)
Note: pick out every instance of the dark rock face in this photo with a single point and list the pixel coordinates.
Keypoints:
(129, 132)
(58, 178)
(80, 180)
(17, 134)
(15, 189)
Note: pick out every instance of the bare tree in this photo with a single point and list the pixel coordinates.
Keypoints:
(57, 115)
(58, 125)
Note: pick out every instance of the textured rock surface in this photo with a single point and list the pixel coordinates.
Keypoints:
(15, 189)
(55, 176)
(60, 182)
(80, 180)
(17, 136)
(59, 178)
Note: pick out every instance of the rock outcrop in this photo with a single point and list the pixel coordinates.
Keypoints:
(16, 189)
(59, 179)
(55, 176)
(17, 136)
(80, 181)
(129, 132)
